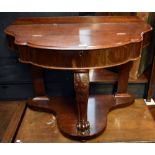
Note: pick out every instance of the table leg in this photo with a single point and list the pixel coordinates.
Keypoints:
(81, 85)
(122, 97)
(38, 84)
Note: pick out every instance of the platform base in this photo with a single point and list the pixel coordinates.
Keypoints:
(65, 111)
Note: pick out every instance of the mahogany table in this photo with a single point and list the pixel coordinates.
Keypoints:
(79, 44)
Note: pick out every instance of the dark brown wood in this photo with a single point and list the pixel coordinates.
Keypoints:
(38, 84)
(81, 85)
(75, 19)
(123, 77)
(14, 123)
(120, 31)
(65, 110)
(134, 123)
(80, 44)
(106, 76)
(121, 96)
(38, 81)
(79, 59)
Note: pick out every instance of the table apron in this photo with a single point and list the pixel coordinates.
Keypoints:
(80, 59)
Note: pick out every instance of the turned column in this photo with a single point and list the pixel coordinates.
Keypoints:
(81, 86)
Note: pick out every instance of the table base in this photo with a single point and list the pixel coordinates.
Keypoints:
(65, 110)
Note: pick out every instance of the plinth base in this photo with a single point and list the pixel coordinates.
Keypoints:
(65, 111)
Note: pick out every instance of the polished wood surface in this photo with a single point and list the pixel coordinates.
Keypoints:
(11, 113)
(134, 123)
(80, 44)
(75, 19)
(84, 36)
(83, 122)
(81, 84)
(88, 59)
(77, 36)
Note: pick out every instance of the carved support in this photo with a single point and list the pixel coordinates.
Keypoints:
(81, 85)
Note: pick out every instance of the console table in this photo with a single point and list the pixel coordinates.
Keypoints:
(79, 44)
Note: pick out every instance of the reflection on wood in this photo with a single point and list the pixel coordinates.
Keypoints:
(131, 124)
(86, 43)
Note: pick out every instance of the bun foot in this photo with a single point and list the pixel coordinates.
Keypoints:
(83, 127)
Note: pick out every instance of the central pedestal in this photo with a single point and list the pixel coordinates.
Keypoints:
(65, 110)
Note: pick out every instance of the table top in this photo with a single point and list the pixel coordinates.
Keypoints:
(78, 33)
(73, 43)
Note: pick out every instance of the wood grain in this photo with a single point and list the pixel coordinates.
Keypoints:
(85, 32)
(90, 59)
(82, 44)
(10, 116)
(14, 124)
(5, 115)
(88, 42)
(81, 86)
(74, 19)
(21, 82)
